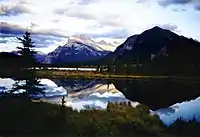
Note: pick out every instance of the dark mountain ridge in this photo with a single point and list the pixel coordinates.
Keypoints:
(158, 50)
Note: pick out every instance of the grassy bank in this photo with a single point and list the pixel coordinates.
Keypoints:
(104, 75)
(19, 117)
(94, 75)
(90, 75)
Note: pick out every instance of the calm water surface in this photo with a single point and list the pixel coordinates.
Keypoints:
(169, 99)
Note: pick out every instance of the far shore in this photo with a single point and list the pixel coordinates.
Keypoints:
(81, 74)
(104, 75)
(90, 75)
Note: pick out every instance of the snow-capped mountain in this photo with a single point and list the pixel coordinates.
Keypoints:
(79, 48)
(101, 45)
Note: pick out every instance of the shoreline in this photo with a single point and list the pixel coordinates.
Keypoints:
(74, 74)
(97, 75)
(90, 75)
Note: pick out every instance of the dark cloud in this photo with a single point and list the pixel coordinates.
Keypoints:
(11, 29)
(43, 38)
(194, 3)
(166, 3)
(197, 7)
(12, 10)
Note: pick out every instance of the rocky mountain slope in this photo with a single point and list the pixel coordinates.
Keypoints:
(79, 48)
(158, 49)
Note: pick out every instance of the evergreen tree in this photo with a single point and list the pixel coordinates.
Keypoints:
(32, 85)
(27, 52)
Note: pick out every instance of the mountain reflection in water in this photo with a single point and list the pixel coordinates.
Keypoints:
(167, 98)
(93, 93)
(158, 93)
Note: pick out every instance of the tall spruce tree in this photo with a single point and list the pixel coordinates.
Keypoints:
(32, 85)
(27, 51)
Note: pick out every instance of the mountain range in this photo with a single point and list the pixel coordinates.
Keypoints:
(155, 45)
(157, 50)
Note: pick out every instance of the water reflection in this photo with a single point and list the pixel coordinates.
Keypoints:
(93, 93)
(185, 110)
(6, 84)
(158, 93)
(169, 99)
(51, 89)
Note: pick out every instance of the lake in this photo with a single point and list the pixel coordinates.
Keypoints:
(170, 99)
(65, 68)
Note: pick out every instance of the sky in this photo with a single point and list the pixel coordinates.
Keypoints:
(51, 22)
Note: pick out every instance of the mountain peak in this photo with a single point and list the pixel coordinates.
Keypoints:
(84, 40)
(158, 32)
(79, 39)
(157, 28)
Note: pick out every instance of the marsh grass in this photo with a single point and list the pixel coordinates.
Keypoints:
(25, 117)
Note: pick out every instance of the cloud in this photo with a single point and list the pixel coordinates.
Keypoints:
(13, 9)
(85, 2)
(41, 41)
(55, 20)
(42, 38)
(178, 9)
(99, 19)
(13, 29)
(141, 1)
(119, 33)
(166, 3)
(197, 7)
(85, 13)
(195, 3)
(4, 41)
(74, 12)
(169, 26)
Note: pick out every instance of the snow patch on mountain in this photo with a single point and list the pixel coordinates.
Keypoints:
(101, 45)
(79, 48)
